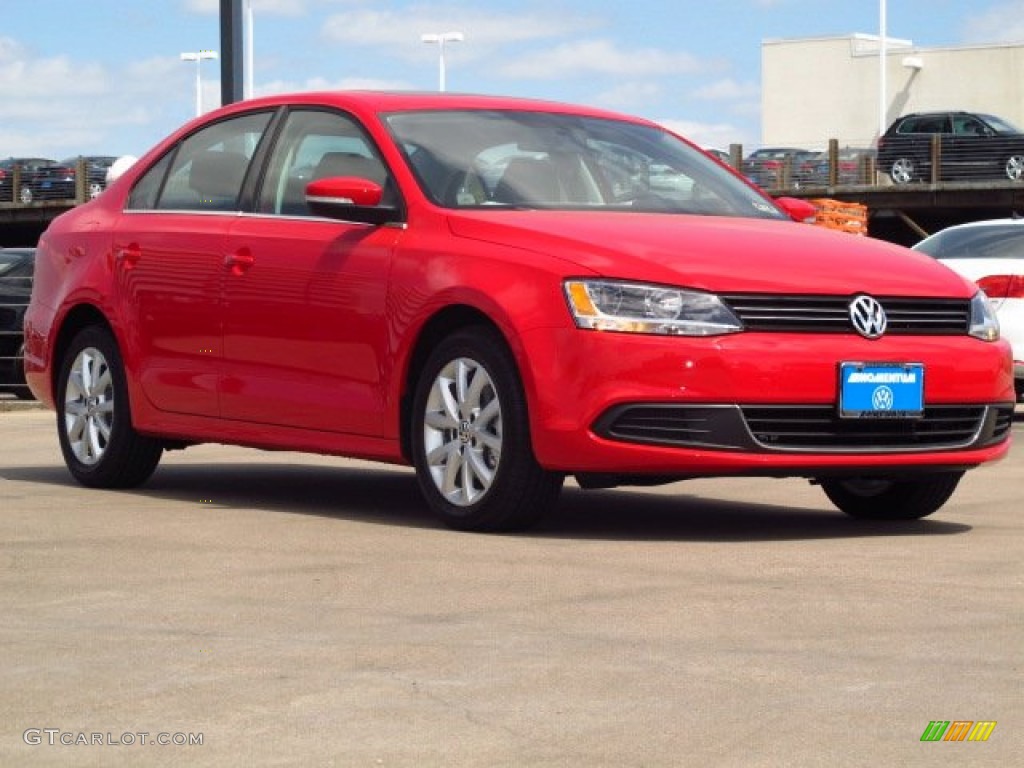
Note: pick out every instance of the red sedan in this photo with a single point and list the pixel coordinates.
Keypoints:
(501, 293)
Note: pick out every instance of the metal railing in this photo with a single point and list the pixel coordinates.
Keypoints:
(25, 189)
(14, 292)
(899, 161)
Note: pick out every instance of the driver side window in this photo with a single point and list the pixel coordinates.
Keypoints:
(314, 145)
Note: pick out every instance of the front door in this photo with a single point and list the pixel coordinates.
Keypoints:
(305, 337)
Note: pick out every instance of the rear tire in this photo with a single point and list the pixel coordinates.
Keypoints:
(471, 438)
(903, 170)
(1014, 167)
(101, 447)
(883, 499)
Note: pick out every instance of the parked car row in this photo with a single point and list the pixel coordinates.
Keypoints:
(39, 178)
(958, 145)
(790, 167)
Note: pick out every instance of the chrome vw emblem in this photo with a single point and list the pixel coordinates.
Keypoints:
(868, 317)
(882, 399)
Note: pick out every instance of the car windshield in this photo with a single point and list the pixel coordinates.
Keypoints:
(1003, 126)
(988, 242)
(519, 159)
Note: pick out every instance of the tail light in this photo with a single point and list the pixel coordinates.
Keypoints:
(1003, 286)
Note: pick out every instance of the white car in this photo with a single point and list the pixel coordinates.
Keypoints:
(991, 253)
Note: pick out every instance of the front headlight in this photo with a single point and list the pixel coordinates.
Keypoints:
(984, 324)
(612, 305)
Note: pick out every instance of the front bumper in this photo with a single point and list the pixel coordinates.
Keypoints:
(580, 383)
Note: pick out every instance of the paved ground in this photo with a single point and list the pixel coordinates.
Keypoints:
(296, 610)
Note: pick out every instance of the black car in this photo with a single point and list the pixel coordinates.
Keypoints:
(16, 269)
(971, 146)
(58, 182)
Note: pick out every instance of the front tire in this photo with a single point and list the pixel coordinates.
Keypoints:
(883, 499)
(100, 446)
(471, 438)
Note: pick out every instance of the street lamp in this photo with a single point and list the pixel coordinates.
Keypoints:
(197, 57)
(440, 38)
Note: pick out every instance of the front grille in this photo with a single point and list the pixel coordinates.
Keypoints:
(830, 314)
(804, 428)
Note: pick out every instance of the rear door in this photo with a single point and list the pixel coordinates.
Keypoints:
(169, 251)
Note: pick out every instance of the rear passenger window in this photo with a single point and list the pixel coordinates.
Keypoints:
(207, 171)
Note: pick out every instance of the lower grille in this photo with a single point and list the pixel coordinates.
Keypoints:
(787, 428)
(808, 428)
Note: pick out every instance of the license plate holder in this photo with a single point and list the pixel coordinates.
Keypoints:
(881, 390)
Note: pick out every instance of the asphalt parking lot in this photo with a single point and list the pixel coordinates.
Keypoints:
(286, 609)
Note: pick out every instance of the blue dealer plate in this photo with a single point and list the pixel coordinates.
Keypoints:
(881, 390)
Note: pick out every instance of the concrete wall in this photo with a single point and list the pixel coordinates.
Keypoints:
(820, 88)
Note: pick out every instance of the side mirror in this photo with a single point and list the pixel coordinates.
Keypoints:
(797, 209)
(349, 198)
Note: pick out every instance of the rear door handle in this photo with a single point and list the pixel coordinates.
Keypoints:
(128, 256)
(240, 261)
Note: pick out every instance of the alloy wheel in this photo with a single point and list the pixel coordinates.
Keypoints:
(462, 434)
(1015, 168)
(89, 406)
(902, 170)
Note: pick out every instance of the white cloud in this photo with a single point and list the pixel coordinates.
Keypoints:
(1000, 23)
(57, 106)
(583, 57)
(482, 29)
(278, 7)
(322, 84)
(728, 90)
(718, 135)
(630, 95)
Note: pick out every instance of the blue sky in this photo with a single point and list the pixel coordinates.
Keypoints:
(105, 76)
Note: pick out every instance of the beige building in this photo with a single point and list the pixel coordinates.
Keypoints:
(815, 89)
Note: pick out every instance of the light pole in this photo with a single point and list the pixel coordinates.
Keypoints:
(197, 57)
(883, 97)
(440, 38)
(247, 90)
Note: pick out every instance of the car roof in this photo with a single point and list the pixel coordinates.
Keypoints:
(398, 101)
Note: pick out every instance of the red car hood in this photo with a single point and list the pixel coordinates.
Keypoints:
(717, 253)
